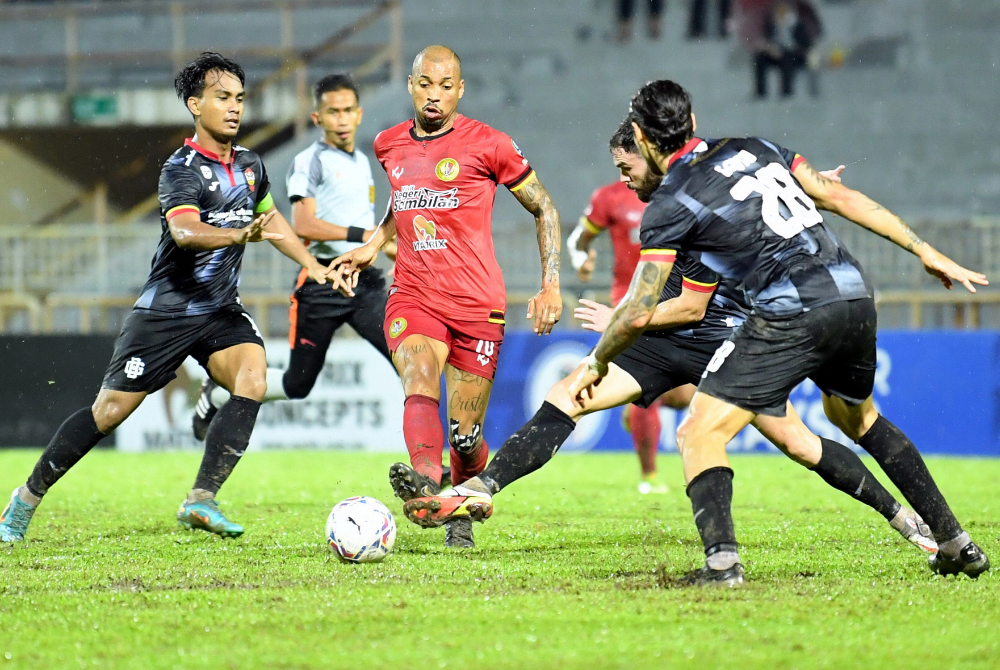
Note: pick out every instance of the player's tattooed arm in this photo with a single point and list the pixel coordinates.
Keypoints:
(862, 210)
(628, 321)
(689, 307)
(546, 307)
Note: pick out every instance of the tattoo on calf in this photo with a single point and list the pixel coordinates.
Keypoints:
(464, 443)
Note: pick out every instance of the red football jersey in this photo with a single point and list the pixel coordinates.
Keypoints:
(443, 188)
(616, 208)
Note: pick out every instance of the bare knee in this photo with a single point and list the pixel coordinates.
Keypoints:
(251, 385)
(109, 413)
(558, 395)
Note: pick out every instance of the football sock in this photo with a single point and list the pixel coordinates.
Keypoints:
(645, 423)
(900, 460)
(275, 385)
(226, 441)
(423, 435)
(843, 470)
(953, 547)
(711, 494)
(531, 447)
(76, 436)
(465, 466)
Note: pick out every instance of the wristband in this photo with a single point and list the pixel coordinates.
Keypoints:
(355, 234)
(576, 256)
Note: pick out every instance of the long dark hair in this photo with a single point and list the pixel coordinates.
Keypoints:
(662, 109)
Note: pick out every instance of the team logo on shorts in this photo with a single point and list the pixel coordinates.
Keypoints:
(426, 235)
(447, 169)
(396, 327)
(134, 367)
(251, 179)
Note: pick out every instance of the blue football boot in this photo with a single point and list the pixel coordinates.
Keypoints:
(15, 519)
(205, 515)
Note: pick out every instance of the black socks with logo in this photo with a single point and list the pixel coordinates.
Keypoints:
(711, 494)
(225, 442)
(531, 447)
(843, 470)
(76, 436)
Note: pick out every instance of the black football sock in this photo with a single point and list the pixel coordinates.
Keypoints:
(76, 436)
(901, 461)
(711, 494)
(531, 447)
(843, 470)
(225, 442)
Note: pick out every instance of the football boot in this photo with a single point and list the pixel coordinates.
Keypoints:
(970, 560)
(458, 534)
(455, 503)
(913, 529)
(408, 484)
(15, 518)
(205, 515)
(705, 576)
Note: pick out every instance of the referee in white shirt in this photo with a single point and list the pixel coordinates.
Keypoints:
(333, 207)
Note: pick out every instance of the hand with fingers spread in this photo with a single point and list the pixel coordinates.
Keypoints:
(948, 271)
(588, 375)
(255, 232)
(546, 309)
(595, 316)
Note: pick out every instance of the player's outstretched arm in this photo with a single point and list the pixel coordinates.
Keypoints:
(546, 307)
(689, 307)
(189, 232)
(288, 243)
(581, 255)
(307, 225)
(344, 270)
(629, 319)
(862, 210)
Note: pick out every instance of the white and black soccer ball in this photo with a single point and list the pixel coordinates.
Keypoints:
(360, 530)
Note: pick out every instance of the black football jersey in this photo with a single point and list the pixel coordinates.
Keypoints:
(726, 310)
(734, 206)
(227, 195)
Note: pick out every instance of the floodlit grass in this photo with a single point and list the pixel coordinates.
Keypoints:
(568, 573)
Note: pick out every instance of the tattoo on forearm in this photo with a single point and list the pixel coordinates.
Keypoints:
(537, 200)
(811, 171)
(639, 304)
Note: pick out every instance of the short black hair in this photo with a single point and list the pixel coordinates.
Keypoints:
(663, 110)
(190, 82)
(624, 137)
(334, 82)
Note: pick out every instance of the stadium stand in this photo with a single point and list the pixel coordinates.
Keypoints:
(908, 110)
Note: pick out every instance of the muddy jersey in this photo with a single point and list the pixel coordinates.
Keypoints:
(442, 192)
(616, 209)
(734, 206)
(726, 310)
(225, 195)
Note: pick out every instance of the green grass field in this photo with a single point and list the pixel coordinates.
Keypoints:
(572, 571)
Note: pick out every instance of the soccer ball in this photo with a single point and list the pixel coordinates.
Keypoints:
(360, 530)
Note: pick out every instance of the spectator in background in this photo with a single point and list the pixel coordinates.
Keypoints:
(654, 13)
(698, 19)
(790, 30)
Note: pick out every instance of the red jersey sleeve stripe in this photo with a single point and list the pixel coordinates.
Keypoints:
(698, 286)
(658, 255)
(181, 209)
(526, 177)
(797, 161)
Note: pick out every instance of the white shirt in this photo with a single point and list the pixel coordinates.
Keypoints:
(342, 185)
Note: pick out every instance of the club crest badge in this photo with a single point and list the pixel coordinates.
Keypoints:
(251, 179)
(396, 327)
(447, 169)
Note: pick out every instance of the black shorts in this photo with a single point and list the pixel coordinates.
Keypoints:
(152, 346)
(659, 364)
(317, 311)
(833, 345)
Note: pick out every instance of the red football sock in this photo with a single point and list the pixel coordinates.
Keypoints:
(467, 466)
(646, 435)
(423, 435)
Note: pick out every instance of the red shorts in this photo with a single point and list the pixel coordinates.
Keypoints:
(473, 346)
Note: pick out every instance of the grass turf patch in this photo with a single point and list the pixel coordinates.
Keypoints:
(573, 570)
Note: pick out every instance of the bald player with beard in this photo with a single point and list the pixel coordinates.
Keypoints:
(447, 306)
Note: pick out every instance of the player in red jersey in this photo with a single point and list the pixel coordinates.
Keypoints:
(616, 208)
(447, 304)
